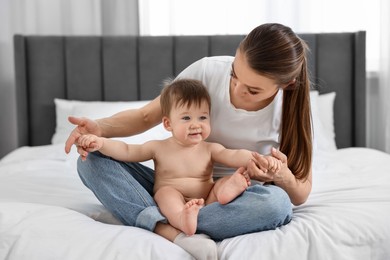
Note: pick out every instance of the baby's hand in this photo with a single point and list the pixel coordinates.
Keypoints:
(89, 143)
(274, 165)
(268, 168)
(268, 163)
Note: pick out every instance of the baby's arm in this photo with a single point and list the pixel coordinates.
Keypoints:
(240, 157)
(234, 158)
(118, 150)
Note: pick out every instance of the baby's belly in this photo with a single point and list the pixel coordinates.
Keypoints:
(189, 187)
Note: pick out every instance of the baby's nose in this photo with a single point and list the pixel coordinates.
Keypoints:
(194, 125)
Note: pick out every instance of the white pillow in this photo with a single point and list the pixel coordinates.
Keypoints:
(326, 105)
(322, 113)
(322, 107)
(95, 110)
(63, 127)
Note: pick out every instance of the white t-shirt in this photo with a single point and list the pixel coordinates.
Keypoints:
(235, 128)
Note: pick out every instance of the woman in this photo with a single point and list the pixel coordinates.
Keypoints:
(260, 101)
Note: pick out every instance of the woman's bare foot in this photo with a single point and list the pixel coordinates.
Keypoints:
(189, 216)
(233, 186)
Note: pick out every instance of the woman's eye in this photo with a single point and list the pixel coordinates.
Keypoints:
(252, 92)
(232, 74)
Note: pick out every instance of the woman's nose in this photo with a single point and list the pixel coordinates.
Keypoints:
(241, 88)
(238, 84)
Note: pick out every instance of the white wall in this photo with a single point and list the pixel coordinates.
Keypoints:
(113, 17)
(375, 123)
(52, 17)
(7, 89)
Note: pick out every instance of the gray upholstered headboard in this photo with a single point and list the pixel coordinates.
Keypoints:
(133, 67)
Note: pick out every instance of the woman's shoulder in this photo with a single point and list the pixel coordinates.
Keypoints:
(218, 60)
(207, 65)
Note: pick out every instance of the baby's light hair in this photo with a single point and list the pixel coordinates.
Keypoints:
(183, 92)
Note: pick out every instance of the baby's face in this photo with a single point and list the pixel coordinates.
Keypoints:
(190, 125)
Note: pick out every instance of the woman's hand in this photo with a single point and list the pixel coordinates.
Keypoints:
(268, 168)
(84, 126)
(297, 190)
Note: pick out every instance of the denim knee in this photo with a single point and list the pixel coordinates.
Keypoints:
(259, 208)
(115, 187)
(92, 171)
(278, 206)
(85, 168)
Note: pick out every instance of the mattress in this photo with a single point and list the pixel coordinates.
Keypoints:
(47, 213)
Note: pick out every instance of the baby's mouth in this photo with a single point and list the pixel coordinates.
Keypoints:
(195, 132)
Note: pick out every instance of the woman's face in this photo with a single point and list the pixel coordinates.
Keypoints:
(249, 90)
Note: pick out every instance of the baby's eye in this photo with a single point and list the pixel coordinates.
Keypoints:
(186, 118)
(203, 118)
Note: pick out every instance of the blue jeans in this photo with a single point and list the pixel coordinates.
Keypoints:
(126, 190)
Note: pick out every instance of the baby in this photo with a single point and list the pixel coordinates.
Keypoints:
(184, 162)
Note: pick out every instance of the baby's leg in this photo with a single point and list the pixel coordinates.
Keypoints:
(228, 188)
(180, 214)
(189, 216)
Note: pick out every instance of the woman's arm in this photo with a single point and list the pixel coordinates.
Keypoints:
(131, 122)
(126, 123)
(298, 190)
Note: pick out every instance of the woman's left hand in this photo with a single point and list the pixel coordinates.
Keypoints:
(259, 167)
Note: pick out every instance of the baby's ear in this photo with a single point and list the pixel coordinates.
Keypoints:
(167, 123)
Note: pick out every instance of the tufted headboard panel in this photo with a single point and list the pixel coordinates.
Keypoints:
(126, 68)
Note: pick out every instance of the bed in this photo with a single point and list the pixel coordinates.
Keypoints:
(47, 213)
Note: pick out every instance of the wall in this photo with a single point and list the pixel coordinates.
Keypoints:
(52, 17)
(375, 125)
(7, 90)
(114, 17)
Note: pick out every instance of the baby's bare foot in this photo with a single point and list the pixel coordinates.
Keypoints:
(233, 186)
(189, 216)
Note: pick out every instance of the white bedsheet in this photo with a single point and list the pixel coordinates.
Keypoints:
(35, 231)
(47, 213)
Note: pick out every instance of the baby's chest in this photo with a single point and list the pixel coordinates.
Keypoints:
(184, 165)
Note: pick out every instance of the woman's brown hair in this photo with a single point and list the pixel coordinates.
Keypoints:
(276, 52)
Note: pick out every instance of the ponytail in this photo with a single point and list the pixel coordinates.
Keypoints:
(275, 51)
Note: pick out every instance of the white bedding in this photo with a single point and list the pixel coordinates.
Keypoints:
(47, 213)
